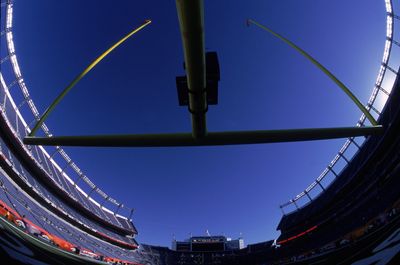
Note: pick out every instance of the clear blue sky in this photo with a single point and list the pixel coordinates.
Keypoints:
(264, 85)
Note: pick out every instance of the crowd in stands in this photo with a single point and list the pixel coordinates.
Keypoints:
(352, 205)
(54, 202)
(45, 172)
(37, 196)
(23, 223)
(21, 210)
(268, 253)
(372, 226)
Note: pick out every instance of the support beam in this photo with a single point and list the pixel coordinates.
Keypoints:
(130, 215)
(354, 142)
(333, 171)
(295, 204)
(212, 138)
(308, 195)
(118, 208)
(322, 187)
(191, 21)
(91, 191)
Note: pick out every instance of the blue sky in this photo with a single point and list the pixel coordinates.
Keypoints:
(264, 85)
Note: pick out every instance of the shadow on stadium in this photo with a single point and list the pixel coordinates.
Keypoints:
(46, 219)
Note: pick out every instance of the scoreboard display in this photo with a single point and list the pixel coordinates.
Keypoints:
(208, 243)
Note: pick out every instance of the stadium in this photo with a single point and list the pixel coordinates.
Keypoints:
(53, 213)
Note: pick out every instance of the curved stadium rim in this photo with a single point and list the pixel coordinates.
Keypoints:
(333, 167)
(48, 154)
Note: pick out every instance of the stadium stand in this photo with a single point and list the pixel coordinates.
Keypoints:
(39, 162)
(34, 186)
(24, 178)
(44, 162)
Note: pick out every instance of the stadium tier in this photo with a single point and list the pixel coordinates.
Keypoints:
(45, 163)
(49, 214)
(364, 196)
(49, 164)
(35, 171)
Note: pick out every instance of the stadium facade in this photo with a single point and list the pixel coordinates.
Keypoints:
(48, 218)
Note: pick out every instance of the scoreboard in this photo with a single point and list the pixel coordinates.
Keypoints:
(209, 243)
